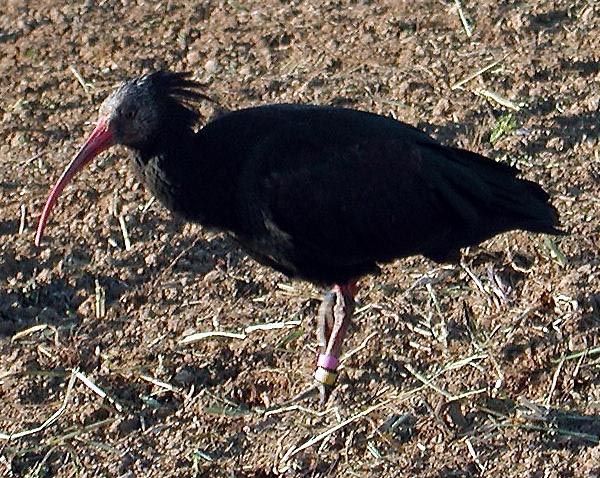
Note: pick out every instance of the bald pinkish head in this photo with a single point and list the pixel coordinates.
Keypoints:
(130, 116)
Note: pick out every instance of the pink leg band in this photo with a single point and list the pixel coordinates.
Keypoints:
(330, 362)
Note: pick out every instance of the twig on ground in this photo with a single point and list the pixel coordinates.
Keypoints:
(474, 454)
(82, 82)
(80, 431)
(160, 383)
(360, 347)
(124, 232)
(576, 355)
(272, 326)
(80, 79)
(29, 331)
(463, 19)
(480, 72)
(554, 382)
(97, 390)
(496, 98)
(23, 220)
(196, 337)
(321, 436)
(100, 300)
(429, 383)
(192, 338)
(49, 421)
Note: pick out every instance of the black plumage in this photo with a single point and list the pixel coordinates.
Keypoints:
(319, 193)
(325, 193)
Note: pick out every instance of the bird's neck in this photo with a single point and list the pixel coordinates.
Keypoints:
(181, 174)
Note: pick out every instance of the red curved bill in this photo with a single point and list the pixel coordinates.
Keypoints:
(100, 139)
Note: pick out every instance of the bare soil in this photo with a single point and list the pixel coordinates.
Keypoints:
(487, 369)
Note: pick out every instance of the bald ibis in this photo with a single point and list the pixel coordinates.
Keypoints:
(318, 193)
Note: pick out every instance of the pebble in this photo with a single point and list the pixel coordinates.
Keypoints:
(150, 260)
(193, 57)
(211, 66)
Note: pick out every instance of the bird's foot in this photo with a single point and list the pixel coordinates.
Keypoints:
(317, 388)
(335, 313)
(325, 376)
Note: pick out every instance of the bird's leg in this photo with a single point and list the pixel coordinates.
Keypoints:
(335, 314)
(325, 319)
(334, 317)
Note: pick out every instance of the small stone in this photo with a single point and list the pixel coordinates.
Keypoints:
(193, 57)
(211, 66)
(150, 260)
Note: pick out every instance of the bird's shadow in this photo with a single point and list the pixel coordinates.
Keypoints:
(557, 428)
(577, 128)
(590, 320)
(572, 129)
(9, 227)
(205, 247)
(56, 301)
(54, 304)
(446, 133)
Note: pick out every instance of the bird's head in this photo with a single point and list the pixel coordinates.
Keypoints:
(133, 115)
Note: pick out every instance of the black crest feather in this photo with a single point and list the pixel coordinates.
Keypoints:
(183, 92)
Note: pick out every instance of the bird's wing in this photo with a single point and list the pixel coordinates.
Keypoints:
(370, 201)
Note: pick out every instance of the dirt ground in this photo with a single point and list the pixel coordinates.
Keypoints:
(486, 369)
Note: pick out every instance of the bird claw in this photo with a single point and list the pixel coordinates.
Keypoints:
(324, 391)
(333, 319)
(307, 393)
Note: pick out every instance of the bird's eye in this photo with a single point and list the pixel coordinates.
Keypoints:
(129, 114)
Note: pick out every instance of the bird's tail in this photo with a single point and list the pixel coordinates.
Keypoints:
(493, 189)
